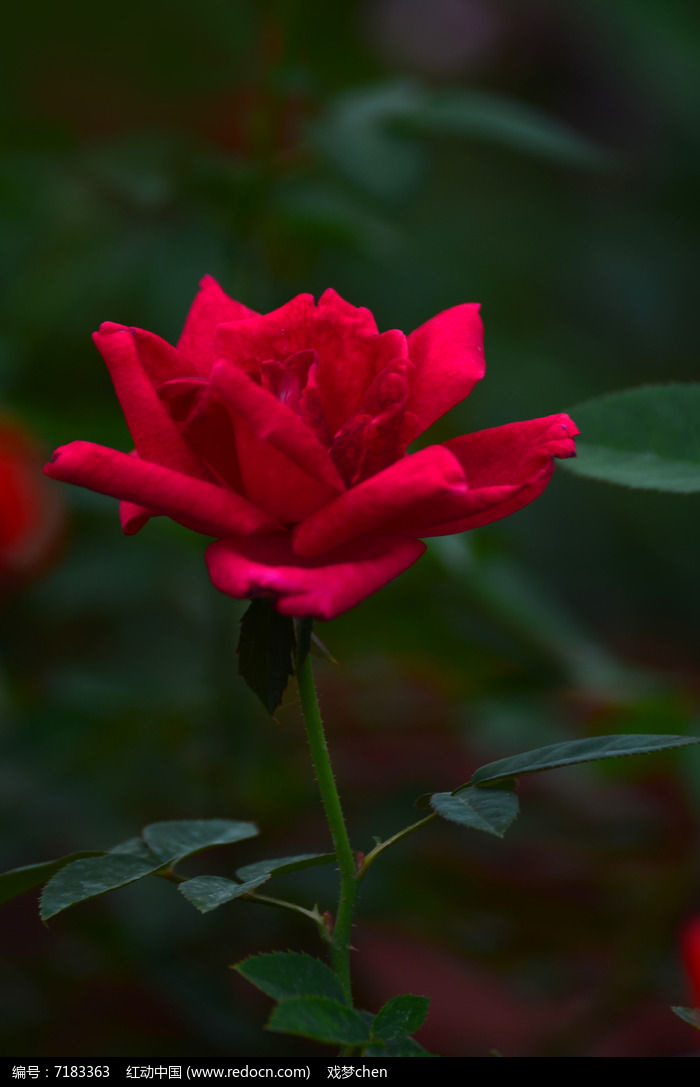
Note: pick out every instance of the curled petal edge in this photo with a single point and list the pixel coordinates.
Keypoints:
(155, 435)
(410, 489)
(196, 504)
(273, 421)
(507, 467)
(448, 353)
(322, 588)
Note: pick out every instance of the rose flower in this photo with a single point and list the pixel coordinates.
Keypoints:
(284, 435)
(690, 950)
(31, 515)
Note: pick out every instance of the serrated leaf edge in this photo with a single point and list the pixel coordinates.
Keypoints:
(47, 917)
(325, 1000)
(264, 954)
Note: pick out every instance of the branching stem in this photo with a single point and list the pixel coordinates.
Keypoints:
(313, 915)
(371, 857)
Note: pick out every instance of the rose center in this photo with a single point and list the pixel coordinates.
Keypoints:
(294, 381)
(287, 380)
(369, 440)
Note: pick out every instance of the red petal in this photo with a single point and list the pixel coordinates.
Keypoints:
(373, 439)
(323, 588)
(349, 350)
(448, 353)
(155, 435)
(349, 360)
(409, 489)
(274, 483)
(345, 338)
(212, 307)
(505, 467)
(237, 457)
(209, 430)
(274, 422)
(161, 361)
(274, 335)
(133, 517)
(330, 303)
(194, 503)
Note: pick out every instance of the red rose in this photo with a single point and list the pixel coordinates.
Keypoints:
(285, 435)
(31, 517)
(690, 950)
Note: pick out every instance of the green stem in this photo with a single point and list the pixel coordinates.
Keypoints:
(282, 904)
(342, 927)
(371, 857)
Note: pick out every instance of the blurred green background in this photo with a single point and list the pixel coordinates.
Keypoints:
(541, 158)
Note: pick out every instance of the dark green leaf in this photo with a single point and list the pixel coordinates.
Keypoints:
(574, 751)
(498, 587)
(18, 880)
(135, 847)
(356, 136)
(284, 974)
(266, 869)
(88, 878)
(208, 892)
(178, 838)
(400, 1016)
(266, 652)
(490, 810)
(320, 1018)
(691, 1016)
(370, 134)
(398, 1047)
(505, 121)
(647, 438)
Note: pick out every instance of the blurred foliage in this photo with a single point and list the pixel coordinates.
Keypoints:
(646, 437)
(542, 159)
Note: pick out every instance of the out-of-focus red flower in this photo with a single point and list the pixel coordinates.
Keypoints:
(31, 514)
(690, 950)
(285, 435)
